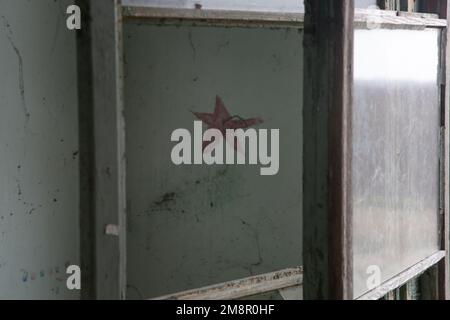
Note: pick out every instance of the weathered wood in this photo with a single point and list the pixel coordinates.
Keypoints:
(411, 290)
(109, 134)
(411, 5)
(215, 17)
(328, 84)
(434, 6)
(401, 20)
(442, 8)
(398, 5)
(402, 278)
(390, 295)
(86, 153)
(255, 19)
(393, 5)
(429, 284)
(443, 267)
(423, 15)
(244, 287)
(408, 5)
(405, 292)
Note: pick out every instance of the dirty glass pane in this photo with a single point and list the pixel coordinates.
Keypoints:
(195, 225)
(395, 152)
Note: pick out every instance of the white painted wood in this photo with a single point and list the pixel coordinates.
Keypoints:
(244, 287)
(363, 17)
(399, 280)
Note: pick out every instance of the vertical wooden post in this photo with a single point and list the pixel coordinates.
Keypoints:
(411, 5)
(109, 135)
(434, 6)
(86, 154)
(435, 282)
(405, 292)
(392, 5)
(397, 5)
(429, 284)
(328, 86)
(383, 4)
(407, 5)
(443, 266)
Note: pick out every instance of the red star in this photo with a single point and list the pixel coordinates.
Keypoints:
(222, 121)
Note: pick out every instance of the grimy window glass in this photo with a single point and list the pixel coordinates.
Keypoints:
(396, 147)
(191, 226)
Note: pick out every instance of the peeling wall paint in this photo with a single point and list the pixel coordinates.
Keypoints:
(191, 226)
(39, 232)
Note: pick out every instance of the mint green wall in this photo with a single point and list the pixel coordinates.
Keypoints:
(39, 231)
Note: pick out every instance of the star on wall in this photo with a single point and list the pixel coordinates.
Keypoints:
(222, 120)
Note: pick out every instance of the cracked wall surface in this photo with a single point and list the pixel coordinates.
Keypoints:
(39, 231)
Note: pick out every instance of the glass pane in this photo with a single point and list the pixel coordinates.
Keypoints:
(195, 225)
(395, 152)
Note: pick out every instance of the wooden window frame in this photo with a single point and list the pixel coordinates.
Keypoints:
(327, 213)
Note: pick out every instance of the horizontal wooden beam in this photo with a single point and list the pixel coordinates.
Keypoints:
(397, 20)
(109, 147)
(214, 17)
(244, 287)
(234, 18)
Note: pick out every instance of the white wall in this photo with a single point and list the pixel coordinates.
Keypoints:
(39, 231)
